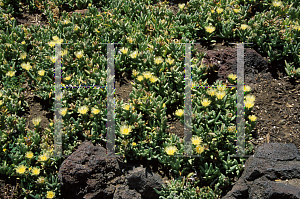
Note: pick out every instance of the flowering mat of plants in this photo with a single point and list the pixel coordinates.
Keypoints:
(149, 87)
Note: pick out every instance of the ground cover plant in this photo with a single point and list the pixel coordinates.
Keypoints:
(149, 36)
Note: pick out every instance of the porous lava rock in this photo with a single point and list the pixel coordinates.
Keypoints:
(88, 173)
(225, 62)
(272, 172)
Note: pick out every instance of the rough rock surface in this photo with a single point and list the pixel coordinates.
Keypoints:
(225, 62)
(88, 174)
(272, 172)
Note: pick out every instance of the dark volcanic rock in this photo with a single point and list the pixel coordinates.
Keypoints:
(88, 173)
(272, 172)
(225, 62)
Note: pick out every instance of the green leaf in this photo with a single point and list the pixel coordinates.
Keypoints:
(210, 121)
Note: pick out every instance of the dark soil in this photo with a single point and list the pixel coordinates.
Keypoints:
(276, 105)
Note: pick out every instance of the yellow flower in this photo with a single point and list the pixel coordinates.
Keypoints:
(277, 3)
(43, 157)
(133, 144)
(53, 59)
(4, 150)
(8, 45)
(158, 60)
(41, 180)
(59, 41)
(205, 102)
(252, 118)
(83, 109)
(95, 111)
(134, 54)
(50, 194)
(219, 10)
(179, 112)
(41, 72)
(26, 66)
(221, 88)
(250, 98)
(232, 76)
(23, 42)
(64, 111)
(29, 154)
(130, 39)
(164, 105)
(212, 11)
(220, 94)
(244, 26)
(51, 43)
(39, 78)
(21, 169)
(10, 73)
(35, 171)
(147, 74)
(68, 78)
(236, 10)
(124, 50)
(1, 102)
(181, 6)
(79, 54)
(126, 106)
(140, 78)
(64, 52)
(125, 130)
(36, 121)
(297, 27)
(247, 88)
(249, 104)
(1, 3)
(134, 72)
(170, 61)
(90, 5)
(55, 38)
(153, 79)
(23, 55)
(196, 140)
(199, 149)
(210, 29)
(170, 150)
(212, 91)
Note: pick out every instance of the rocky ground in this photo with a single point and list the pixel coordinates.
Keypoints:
(276, 106)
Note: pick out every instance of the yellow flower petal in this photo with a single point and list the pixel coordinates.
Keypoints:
(196, 140)
(199, 149)
(205, 102)
(125, 130)
(170, 150)
(210, 29)
(179, 112)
